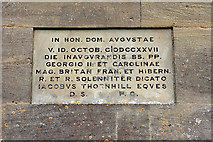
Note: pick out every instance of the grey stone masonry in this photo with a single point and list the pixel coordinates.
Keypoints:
(188, 119)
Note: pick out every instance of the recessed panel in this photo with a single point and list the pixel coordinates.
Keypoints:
(109, 66)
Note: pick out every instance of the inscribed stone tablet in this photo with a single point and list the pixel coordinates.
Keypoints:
(120, 66)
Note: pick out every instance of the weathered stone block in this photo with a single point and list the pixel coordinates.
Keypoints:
(181, 122)
(72, 14)
(17, 46)
(133, 122)
(170, 14)
(58, 122)
(17, 51)
(16, 83)
(193, 65)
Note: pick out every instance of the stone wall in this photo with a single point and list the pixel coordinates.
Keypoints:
(188, 119)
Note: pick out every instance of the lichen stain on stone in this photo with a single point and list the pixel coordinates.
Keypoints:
(21, 111)
(13, 112)
(165, 128)
(58, 104)
(125, 102)
(185, 66)
(77, 102)
(181, 130)
(6, 125)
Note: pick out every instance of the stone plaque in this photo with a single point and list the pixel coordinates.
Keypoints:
(103, 66)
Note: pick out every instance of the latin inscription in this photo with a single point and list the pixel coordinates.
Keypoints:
(111, 66)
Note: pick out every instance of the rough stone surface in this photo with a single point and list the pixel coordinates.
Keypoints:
(181, 122)
(1, 112)
(16, 86)
(17, 46)
(17, 64)
(193, 65)
(72, 14)
(133, 122)
(58, 122)
(170, 14)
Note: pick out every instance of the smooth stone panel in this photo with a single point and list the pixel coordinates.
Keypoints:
(138, 65)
